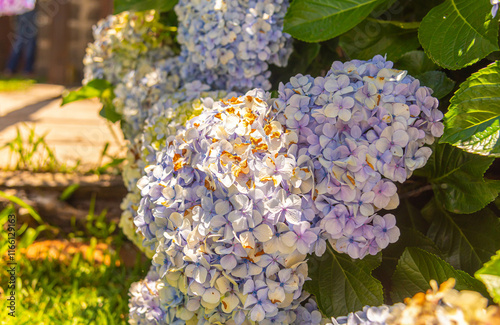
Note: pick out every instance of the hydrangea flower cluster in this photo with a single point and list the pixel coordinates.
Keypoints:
(229, 44)
(135, 53)
(368, 316)
(226, 233)
(171, 112)
(144, 303)
(120, 40)
(129, 207)
(165, 118)
(154, 301)
(142, 88)
(237, 199)
(440, 305)
(357, 130)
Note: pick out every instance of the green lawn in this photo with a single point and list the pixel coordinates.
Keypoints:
(75, 291)
(49, 292)
(15, 84)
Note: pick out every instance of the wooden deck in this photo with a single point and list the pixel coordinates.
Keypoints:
(75, 131)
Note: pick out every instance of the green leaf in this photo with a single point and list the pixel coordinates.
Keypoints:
(458, 33)
(109, 113)
(321, 20)
(490, 276)
(473, 120)
(399, 24)
(416, 63)
(96, 88)
(370, 262)
(142, 5)
(311, 52)
(457, 179)
(372, 37)
(438, 82)
(108, 110)
(342, 285)
(382, 7)
(93, 89)
(416, 268)
(410, 216)
(21, 203)
(409, 238)
(467, 241)
(69, 191)
(412, 226)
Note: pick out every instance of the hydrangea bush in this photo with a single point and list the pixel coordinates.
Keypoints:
(305, 203)
(238, 198)
(121, 41)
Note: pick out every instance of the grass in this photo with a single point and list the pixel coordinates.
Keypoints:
(75, 290)
(31, 152)
(15, 84)
(79, 292)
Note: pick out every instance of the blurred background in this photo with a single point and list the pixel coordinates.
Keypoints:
(64, 30)
(60, 176)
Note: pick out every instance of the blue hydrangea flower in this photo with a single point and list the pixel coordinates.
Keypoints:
(368, 316)
(146, 304)
(233, 203)
(494, 10)
(229, 44)
(205, 208)
(362, 128)
(168, 114)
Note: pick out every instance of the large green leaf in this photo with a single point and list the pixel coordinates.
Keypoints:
(490, 276)
(458, 33)
(457, 179)
(142, 5)
(473, 120)
(416, 268)
(438, 82)
(342, 285)
(373, 37)
(467, 241)
(94, 88)
(416, 63)
(321, 20)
